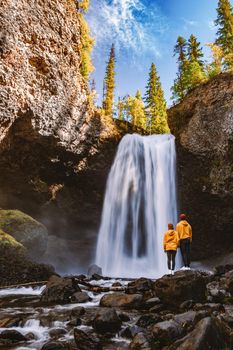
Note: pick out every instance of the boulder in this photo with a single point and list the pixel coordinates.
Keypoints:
(187, 319)
(208, 334)
(78, 311)
(57, 332)
(184, 285)
(94, 269)
(140, 285)
(55, 345)
(80, 297)
(107, 321)
(165, 332)
(140, 342)
(127, 301)
(130, 331)
(29, 232)
(147, 320)
(10, 337)
(59, 290)
(86, 341)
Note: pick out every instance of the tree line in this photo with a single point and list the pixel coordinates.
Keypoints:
(150, 112)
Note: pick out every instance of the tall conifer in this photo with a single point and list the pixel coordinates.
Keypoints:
(109, 83)
(155, 104)
(224, 39)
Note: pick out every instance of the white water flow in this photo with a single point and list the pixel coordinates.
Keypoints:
(140, 201)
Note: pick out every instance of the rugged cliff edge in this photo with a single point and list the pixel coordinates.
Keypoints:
(55, 149)
(203, 126)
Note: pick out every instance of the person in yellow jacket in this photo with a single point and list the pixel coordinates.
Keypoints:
(184, 230)
(170, 244)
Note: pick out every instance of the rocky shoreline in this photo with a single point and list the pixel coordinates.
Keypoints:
(191, 310)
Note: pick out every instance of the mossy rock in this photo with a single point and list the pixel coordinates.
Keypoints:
(7, 242)
(27, 231)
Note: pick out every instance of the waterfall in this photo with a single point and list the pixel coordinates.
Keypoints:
(140, 201)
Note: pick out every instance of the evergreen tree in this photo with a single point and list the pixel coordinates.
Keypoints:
(179, 88)
(155, 104)
(225, 32)
(195, 51)
(194, 71)
(109, 83)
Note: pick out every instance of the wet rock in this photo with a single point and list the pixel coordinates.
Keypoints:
(184, 285)
(9, 322)
(130, 332)
(187, 319)
(140, 285)
(86, 340)
(216, 292)
(123, 317)
(116, 284)
(59, 290)
(107, 321)
(209, 333)
(165, 332)
(149, 319)
(11, 336)
(187, 305)
(30, 336)
(55, 345)
(94, 269)
(148, 304)
(78, 311)
(210, 307)
(128, 301)
(140, 342)
(57, 332)
(80, 297)
(75, 322)
(222, 269)
(156, 308)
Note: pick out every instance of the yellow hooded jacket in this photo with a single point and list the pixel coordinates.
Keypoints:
(184, 230)
(171, 240)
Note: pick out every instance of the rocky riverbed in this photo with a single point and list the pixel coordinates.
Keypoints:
(191, 310)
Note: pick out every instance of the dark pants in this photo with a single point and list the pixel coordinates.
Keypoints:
(185, 251)
(171, 259)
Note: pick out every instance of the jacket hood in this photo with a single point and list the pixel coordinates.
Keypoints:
(171, 232)
(184, 222)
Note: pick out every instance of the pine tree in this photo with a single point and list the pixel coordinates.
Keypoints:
(179, 88)
(194, 71)
(195, 51)
(225, 32)
(109, 83)
(155, 104)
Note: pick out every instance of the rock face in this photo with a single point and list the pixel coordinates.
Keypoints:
(55, 149)
(203, 126)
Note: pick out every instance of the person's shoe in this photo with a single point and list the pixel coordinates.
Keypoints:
(188, 268)
(172, 273)
(183, 268)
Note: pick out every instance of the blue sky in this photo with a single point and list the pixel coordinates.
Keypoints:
(145, 31)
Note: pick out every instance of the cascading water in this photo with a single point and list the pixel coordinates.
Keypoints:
(140, 201)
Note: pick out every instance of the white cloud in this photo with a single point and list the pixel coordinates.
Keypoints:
(190, 23)
(129, 24)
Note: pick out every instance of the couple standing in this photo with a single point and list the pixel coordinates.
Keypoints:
(182, 238)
